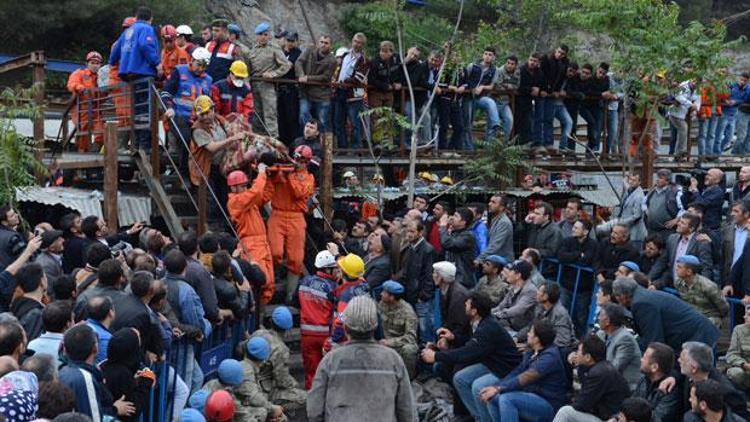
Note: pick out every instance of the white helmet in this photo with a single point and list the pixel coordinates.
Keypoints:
(184, 30)
(325, 259)
(341, 51)
(201, 53)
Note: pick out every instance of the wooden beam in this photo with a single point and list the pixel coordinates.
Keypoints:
(36, 58)
(202, 208)
(326, 176)
(110, 176)
(158, 195)
(38, 90)
(155, 122)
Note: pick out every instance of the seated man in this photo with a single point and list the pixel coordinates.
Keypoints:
(738, 354)
(537, 387)
(656, 364)
(685, 242)
(707, 404)
(550, 308)
(487, 357)
(622, 348)
(699, 291)
(517, 307)
(492, 282)
(603, 388)
(399, 322)
(256, 404)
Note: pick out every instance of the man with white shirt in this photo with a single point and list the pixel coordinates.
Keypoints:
(686, 101)
(349, 93)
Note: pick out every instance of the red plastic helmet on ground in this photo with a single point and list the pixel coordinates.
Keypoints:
(94, 56)
(128, 22)
(219, 407)
(168, 32)
(304, 152)
(237, 177)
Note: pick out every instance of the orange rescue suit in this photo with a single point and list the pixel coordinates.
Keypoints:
(86, 114)
(289, 193)
(244, 208)
(171, 58)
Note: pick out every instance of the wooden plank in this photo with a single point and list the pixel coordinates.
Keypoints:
(110, 176)
(155, 122)
(326, 177)
(20, 62)
(159, 196)
(39, 83)
(202, 208)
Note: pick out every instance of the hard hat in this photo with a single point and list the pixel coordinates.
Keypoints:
(237, 177)
(349, 174)
(168, 32)
(426, 176)
(352, 265)
(203, 104)
(304, 152)
(446, 180)
(662, 73)
(341, 51)
(282, 317)
(94, 56)
(184, 30)
(201, 54)
(128, 22)
(220, 406)
(239, 69)
(325, 259)
(378, 178)
(434, 177)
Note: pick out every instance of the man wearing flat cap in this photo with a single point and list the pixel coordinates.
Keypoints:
(51, 257)
(493, 283)
(703, 294)
(399, 322)
(266, 60)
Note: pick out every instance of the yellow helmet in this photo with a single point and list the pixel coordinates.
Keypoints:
(352, 265)
(239, 69)
(203, 104)
(378, 178)
(446, 180)
(426, 176)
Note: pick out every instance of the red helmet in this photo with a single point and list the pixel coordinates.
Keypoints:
(128, 22)
(219, 407)
(304, 152)
(168, 32)
(237, 177)
(94, 56)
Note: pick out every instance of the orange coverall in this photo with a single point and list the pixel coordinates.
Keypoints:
(120, 96)
(171, 58)
(289, 192)
(244, 208)
(86, 111)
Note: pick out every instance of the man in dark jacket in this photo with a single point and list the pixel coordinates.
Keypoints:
(603, 388)
(133, 311)
(75, 242)
(315, 65)
(684, 242)
(487, 357)
(11, 241)
(384, 80)
(707, 403)
(543, 234)
(532, 82)
(663, 317)
(656, 364)
(197, 276)
(28, 308)
(418, 72)
(452, 306)
(579, 249)
(712, 197)
(554, 67)
(593, 86)
(459, 244)
(571, 88)
(613, 251)
(377, 261)
(420, 288)
(109, 284)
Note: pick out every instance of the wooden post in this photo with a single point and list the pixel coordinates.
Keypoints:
(401, 132)
(154, 122)
(647, 172)
(110, 176)
(202, 208)
(326, 177)
(38, 77)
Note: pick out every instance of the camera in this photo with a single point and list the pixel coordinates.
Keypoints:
(121, 248)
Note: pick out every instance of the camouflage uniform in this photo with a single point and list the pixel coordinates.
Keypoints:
(262, 59)
(400, 331)
(245, 410)
(705, 296)
(274, 377)
(496, 289)
(738, 354)
(243, 51)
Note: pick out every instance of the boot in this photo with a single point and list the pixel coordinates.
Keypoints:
(290, 285)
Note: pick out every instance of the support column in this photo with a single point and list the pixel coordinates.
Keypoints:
(110, 176)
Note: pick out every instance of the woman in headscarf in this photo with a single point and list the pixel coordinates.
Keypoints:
(124, 373)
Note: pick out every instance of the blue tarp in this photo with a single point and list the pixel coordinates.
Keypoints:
(63, 66)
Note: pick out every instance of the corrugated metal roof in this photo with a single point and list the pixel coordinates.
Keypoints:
(603, 197)
(130, 208)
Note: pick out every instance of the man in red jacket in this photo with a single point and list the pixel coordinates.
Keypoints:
(233, 94)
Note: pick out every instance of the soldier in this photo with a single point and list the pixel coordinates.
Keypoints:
(399, 324)
(235, 32)
(738, 354)
(267, 61)
(255, 403)
(699, 291)
(229, 378)
(493, 283)
(273, 377)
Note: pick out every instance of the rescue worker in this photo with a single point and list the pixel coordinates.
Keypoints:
(289, 193)
(188, 82)
(223, 52)
(171, 54)
(220, 407)
(399, 324)
(267, 61)
(352, 269)
(184, 32)
(119, 92)
(244, 208)
(316, 304)
(274, 377)
(254, 401)
(233, 94)
(86, 114)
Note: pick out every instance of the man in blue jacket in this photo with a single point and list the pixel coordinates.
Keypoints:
(138, 56)
(487, 357)
(536, 388)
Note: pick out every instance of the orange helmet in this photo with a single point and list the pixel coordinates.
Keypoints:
(237, 177)
(94, 56)
(168, 32)
(128, 22)
(219, 407)
(304, 152)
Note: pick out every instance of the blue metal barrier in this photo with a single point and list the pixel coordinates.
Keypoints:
(580, 269)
